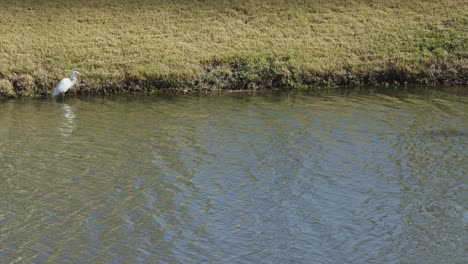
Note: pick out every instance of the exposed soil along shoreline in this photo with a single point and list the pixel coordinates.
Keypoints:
(240, 74)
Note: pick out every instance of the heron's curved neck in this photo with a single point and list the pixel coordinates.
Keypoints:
(73, 79)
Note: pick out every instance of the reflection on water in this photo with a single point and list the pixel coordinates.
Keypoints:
(68, 124)
(327, 178)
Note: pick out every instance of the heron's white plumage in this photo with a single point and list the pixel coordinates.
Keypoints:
(65, 84)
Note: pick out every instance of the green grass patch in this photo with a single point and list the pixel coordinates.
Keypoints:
(237, 44)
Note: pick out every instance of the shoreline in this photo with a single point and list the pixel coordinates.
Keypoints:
(241, 76)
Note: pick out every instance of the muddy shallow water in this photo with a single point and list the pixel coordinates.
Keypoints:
(335, 177)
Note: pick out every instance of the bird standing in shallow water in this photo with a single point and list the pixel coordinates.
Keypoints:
(65, 84)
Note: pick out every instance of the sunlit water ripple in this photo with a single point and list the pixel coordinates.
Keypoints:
(289, 178)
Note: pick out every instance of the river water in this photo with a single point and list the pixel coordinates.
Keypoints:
(330, 177)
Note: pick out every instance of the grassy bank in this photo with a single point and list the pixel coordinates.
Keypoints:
(124, 45)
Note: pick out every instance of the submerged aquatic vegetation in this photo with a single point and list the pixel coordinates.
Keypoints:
(243, 44)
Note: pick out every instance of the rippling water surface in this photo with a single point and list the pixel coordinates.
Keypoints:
(334, 177)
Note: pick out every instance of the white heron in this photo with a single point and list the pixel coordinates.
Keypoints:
(65, 84)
